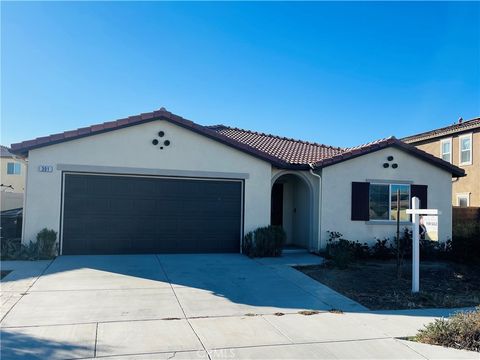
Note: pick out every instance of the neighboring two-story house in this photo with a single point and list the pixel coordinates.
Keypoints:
(458, 144)
(12, 177)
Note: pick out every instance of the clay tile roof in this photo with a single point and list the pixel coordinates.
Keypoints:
(288, 150)
(370, 147)
(447, 130)
(281, 152)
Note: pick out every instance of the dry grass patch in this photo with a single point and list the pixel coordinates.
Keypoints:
(461, 331)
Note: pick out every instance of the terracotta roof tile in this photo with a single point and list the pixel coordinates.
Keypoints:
(289, 150)
(447, 130)
(282, 152)
(367, 148)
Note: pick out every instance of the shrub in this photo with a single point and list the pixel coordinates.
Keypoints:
(361, 251)
(13, 249)
(382, 250)
(432, 250)
(264, 242)
(248, 246)
(46, 240)
(10, 247)
(461, 331)
(465, 243)
(43, 248)
(341, 253)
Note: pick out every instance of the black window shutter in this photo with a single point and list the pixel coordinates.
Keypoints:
(360, 201)
(420, 191)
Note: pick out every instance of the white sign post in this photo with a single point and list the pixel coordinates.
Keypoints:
(415, 211)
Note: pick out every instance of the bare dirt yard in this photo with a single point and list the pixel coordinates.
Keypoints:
(375, 285)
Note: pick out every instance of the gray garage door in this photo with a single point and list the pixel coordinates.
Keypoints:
(127, 214)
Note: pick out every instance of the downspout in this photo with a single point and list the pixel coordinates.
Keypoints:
(319, 226)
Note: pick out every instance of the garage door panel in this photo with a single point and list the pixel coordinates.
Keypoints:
(126, 214)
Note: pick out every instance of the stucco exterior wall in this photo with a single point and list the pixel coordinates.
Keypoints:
(132, 148)
(470, 183)
(336, 193)
(10, 200)
(16, 180)
(301, 192)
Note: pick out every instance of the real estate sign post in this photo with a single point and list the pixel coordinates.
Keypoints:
(415, 211)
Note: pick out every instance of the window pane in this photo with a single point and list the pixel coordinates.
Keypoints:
(404, 202)
(379, 202)
(446, 147)
(446, 157)
(465, 156)
(465, 143)
(462, 201)
(13, 168)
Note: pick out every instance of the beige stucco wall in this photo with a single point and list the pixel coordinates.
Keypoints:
(12, 198)
(471, 182)
(132, 148)
(336, 193)
(17, 181)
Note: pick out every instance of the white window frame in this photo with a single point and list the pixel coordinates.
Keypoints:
(443, 141)
(16, 166)
(469, 136)
(390, 200)
(465, 196)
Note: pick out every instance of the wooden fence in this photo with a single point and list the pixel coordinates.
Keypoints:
(465, 214)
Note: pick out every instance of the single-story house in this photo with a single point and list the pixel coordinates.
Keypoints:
(158, 183)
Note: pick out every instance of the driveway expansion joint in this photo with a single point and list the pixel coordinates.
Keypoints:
(410, 348)
(96, 341)
(26, 292)
(181, 307)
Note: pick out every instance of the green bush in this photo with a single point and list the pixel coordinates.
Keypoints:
(461, 331)
(361, 251)
(10, 248)
(264, 242)
(339, 251)
(465, 243)
(46, 240)
(13, 249)
(43, 248)
(382, 250)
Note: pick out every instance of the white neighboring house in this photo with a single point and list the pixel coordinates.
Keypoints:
(12, 177)
(158, 183)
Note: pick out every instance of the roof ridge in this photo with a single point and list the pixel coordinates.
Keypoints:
(391, 137)
(223, 127)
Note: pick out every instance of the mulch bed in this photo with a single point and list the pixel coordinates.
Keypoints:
(375, 285)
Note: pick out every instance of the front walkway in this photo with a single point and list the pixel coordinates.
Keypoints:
(191, 307)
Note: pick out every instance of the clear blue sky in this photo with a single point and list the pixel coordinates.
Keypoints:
(337, 73)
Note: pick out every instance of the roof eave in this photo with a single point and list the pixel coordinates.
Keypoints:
(23, 148)
(454, 170)
(442, 132)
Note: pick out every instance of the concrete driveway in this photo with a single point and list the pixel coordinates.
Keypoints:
(192, 307)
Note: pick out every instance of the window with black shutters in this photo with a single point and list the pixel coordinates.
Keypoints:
(378, 201)
(360, 193)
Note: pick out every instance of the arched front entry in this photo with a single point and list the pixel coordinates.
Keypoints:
(291, 208)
